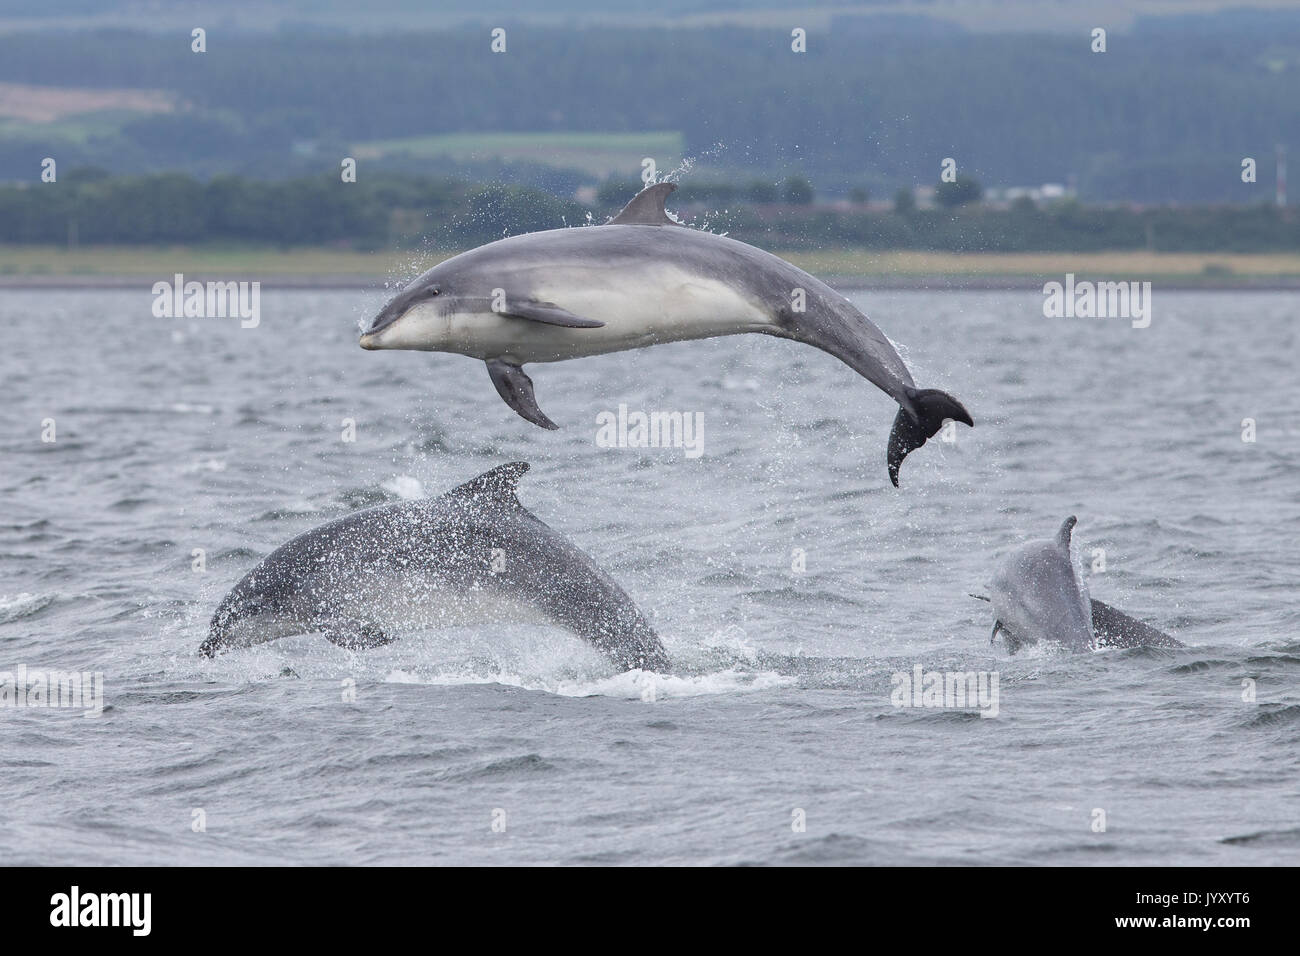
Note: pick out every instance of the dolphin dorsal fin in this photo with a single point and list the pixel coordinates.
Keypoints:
(496, 486)
(647, 208)
(1063, 536)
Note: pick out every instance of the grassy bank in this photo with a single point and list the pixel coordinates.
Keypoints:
(217, 260)
(598, 153)
(1122, 264)
(1226, 269)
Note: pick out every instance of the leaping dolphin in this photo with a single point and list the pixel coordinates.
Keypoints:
(640, 280)
(1039, 594)
(473, 555)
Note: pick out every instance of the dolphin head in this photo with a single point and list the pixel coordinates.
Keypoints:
(235, 615)
(420, 316)
(254, 611)
(1039, 594)
(230, 613)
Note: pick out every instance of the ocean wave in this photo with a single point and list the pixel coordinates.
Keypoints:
(23, 605)
(629, 685)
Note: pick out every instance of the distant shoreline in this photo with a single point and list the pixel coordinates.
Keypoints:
(125, 267)
(946, 282)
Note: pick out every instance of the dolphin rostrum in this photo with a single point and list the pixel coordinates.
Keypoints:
(1039, 594)
(642, 279)
(473, 555)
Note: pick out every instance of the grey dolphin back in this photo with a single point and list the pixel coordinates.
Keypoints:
(754, 291)
(588, 602)
(1114, 628)
(647, 208)
(581, 596)
(1111, 626)
(497, 487)
(304, 586)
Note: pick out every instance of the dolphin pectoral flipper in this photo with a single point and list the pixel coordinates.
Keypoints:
(516, 388)
(1114, 628)
(354, 635)
(548, 313)
(914, 427)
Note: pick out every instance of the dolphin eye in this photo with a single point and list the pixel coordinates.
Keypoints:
(434, 291)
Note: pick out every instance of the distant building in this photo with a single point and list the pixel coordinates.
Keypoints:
(1047, 192)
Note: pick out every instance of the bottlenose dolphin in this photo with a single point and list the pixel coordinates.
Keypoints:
(1039, 594)
(642, 279)
(474, 555)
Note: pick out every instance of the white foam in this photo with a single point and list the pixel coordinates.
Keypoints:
(212, 464)
(629, 685)
(22, 605)
(405, 487)
(635, 684)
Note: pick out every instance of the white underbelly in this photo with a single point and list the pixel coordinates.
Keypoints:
(668, 305)
(394, 605)
(402, 604)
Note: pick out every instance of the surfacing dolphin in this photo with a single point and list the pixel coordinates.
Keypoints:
(1039, 594)
(643, 279)
(474, 555)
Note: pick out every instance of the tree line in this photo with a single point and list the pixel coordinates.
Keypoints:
(1166, 113)
(403, 211)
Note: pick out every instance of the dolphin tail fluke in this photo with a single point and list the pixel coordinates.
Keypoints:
(514, 385)
(914, 426)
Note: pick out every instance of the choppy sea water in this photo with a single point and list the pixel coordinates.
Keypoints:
(179, 434)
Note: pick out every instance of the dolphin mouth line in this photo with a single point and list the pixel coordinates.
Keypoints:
(379, 324)
(392, 311)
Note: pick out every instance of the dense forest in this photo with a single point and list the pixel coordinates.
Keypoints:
(394, 210)
(1165, 114)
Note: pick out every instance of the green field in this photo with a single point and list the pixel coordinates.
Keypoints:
(211, 260)
(597, 153)
(77, 128)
